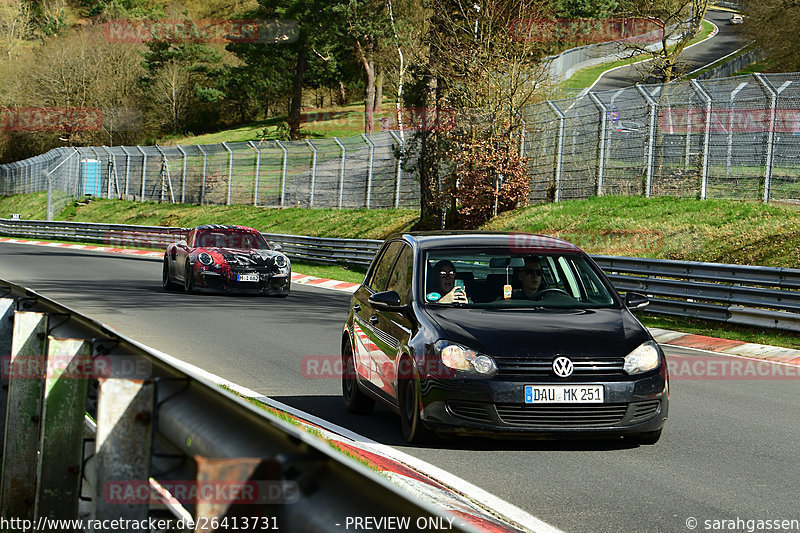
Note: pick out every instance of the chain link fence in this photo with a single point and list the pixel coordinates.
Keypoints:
(734, 137)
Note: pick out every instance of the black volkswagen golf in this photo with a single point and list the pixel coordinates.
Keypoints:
(501, 335)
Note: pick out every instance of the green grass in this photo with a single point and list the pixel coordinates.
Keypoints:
(716, 64)
(761, 66)
(725, 331)
(586, 77)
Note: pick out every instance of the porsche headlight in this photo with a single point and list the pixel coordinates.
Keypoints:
(460, 357)
(645, 357)
(280, 261)
(205, 259)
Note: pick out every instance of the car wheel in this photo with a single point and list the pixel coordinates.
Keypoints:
(354, 400)
(649, 438)
(414, 432)
(166, 282)
(188, 278)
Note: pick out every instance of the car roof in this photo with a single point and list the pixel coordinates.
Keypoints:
(224, 227)
(523, 242)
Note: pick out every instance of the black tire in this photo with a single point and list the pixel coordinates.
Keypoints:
(166, 282)
(414, 431)
(354, 399)
(648, 439)
(188, 278)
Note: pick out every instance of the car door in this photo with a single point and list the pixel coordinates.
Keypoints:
(394, 327)
(366, 337)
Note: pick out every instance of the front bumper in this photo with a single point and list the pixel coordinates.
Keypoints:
(268, 283)
(495, 408)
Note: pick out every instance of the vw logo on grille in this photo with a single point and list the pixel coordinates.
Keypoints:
(562, 366)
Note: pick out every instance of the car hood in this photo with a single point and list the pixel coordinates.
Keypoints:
(245, 258)
(590, 334)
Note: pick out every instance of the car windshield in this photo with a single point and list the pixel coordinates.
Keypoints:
(505, 279)
(241, 240)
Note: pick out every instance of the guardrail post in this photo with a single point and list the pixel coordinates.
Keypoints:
(559, 149)
(313, 170)
(230, 171)
(6, 334)
(371, 162)
(706, 138)
(61, 447)
(601, 147)
(144, 170)
(205, 168)
(183, 174)
(651, 140)
(122, 447)
(341, 172)
(23, 415)
(258, 171)
(283, 171)
(773, 104)
(398, 168)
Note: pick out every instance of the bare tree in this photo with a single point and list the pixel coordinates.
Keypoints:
(772, 24)
(15, 24)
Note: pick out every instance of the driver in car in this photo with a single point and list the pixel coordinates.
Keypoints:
(530, 276)
(445, 273)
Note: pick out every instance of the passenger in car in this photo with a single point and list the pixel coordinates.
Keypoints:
(530, 276)
(445, 273)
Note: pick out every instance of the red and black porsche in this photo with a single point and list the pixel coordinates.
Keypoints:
(228, 258)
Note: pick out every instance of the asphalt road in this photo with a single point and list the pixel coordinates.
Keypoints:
(726, 41)
(729, 449)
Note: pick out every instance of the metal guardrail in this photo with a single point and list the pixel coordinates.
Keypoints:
(747, 295)
(99, 427)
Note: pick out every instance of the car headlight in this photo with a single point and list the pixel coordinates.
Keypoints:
(645, 357)
(280, 261)
(205, 258)
(459, 357)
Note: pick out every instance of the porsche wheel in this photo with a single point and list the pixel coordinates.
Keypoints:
(188, 278)
(354, 400)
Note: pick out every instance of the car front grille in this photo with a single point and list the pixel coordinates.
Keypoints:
(544, 367)
(475, 412)
(561, 415)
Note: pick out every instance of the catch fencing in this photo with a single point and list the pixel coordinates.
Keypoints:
(739, 294)
(735, 138)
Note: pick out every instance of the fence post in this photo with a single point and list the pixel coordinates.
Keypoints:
(559, 148)
(399, 168)
(651, 139)
(112, 168)
(258, 171)
(183, 174)
(205, 168)
(341, 172)
(313, 171)
(127, 170)
(522, 137)
(601, 147)
(230, 172)
(773, 104)
(283, 171)
(144, 170)
(728, 159)
(371, 161)
(706, 138)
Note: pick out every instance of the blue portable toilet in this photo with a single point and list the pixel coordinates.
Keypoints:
(90, 175)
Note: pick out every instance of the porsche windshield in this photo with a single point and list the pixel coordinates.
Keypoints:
(241, 240)
(502, 279)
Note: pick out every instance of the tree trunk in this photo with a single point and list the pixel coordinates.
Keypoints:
(379, 91)
(365, 54)
(297, 94)
(342, 94)
(429, 210)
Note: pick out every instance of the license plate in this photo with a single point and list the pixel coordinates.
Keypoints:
(247, 277)
(564, 394)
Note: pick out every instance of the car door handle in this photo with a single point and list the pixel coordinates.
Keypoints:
(356, 308)
(373, 319)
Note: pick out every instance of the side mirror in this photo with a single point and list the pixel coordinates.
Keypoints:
(634, 300)
(275, 246)
(386, 301)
